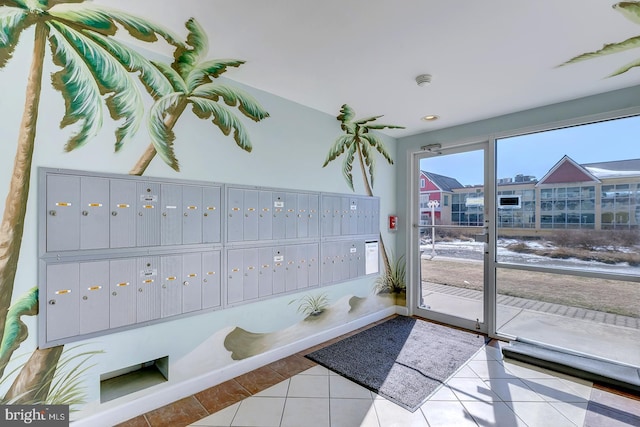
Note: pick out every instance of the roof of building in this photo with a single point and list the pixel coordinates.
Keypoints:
(445, 183)
(618, 168)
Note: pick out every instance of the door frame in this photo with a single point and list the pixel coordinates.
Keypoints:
(487, 145)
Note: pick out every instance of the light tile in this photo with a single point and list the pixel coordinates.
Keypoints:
(465, 372)
(340, 387)
(489, 369)
(392, 415)
(259, 412)
(469, 389)
(310, 412)
(279, 390)
(224, 417)
(447, 414)
(316, 370)
(494, 414)
(575, 412)
(513, 390)
(525, 370)
(309, 386)
(353, 412)
(555, 389)
(444, 393)
(539, 414)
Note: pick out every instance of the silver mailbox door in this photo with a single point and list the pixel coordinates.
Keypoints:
(148, 289)
(326, 218)
(302, 276)
(313, 264)
(336, 203)
(265, 221)
(192, 211)
(314, 215)
(122, 304)
(251, 260)
(291, 268)
(364, 213)
(279, 269)
(192, 282)
(278, 208)
(211, 290)
(211, 216)
(327, 262)
(148, 214)
(354, 208)
(235, 215)
(63, 213)
(250, 232)
(94, 210)
(303, 215)
(361, 258)
(345, 213)
(122, 218)
(94, 296)
(354, 253)
(265, 273)
(62, 301)
(291, 217)
(171, 208)
(171, 285)
(235, 275)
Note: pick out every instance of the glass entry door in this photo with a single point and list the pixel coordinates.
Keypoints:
(452, 234)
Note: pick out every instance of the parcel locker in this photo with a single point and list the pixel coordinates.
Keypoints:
(291, 268)
(148, 289)
(250, 226)
(303, 216)
(122, 217)
(148, 219)
(265, 221)
(250, 263)
(171, 217)
(122, 302)
(279, 270)
(191, 282)
(94, 213)
(279, 215)
(313, 264)
(211, 290)
(235, 219)
(265, 272)
(191, 214)
(235, 275)
(63, 213)
(314, 215)
(211, 225)
(171, 285)
(63, 315)
(94, 296)
(291, 216)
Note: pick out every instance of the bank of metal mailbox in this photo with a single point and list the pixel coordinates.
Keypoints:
(342, 260)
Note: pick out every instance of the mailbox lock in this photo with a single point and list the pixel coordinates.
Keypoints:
(139, 213)
(206, 214)
(85, 297)
(139, 289)
(52, 302)
(114, 213)
(114, 293)
(164, 214)
(185, 214)
(52, 212)
(164, 286)
(186, 283)
(205, 280)
(85, 213)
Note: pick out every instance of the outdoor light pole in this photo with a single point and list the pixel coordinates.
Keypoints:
(433, 204)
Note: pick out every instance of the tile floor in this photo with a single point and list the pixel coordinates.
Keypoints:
(487, 391)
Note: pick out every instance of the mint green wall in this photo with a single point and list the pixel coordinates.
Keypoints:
(289, 149)
(482, 130)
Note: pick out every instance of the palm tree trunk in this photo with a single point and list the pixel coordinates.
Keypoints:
(143, 162)
(33, 383)
(12, 226)
(367, 187)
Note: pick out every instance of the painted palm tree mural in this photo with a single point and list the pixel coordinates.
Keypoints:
(192, 81)
(360, 143)
(95, 70)
(631, 10)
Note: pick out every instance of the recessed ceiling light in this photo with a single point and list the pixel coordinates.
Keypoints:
(430, 118)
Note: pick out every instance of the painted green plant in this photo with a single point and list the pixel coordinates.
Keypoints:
(631, 10)
(94, 70)
(392, 281)
(312, 305)
(192, 81)
(361, 144)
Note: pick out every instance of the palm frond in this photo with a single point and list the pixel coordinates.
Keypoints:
(233, 97)
(367, 120)
(629, 9)
(342, 143)
(206, 71)
(197, 44)
(347, 165)
(347, 114)
(151, 77)
(376, 142)
(369, 160)
(381, 126)
(66, 387)
(223, 118)
(12, 22)
(626, 68)
(15, 331)
(172, 76)
(607, 49)
(161, 137)
(394, 280)
(82, 98)
(103, 20)
(123, 97)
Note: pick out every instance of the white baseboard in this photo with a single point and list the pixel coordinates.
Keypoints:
(130, 409)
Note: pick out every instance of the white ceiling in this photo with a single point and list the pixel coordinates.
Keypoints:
(487, 58)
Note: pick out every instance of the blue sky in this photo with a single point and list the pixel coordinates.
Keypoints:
(535, 154)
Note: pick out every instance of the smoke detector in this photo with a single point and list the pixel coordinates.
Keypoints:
(423, 79)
